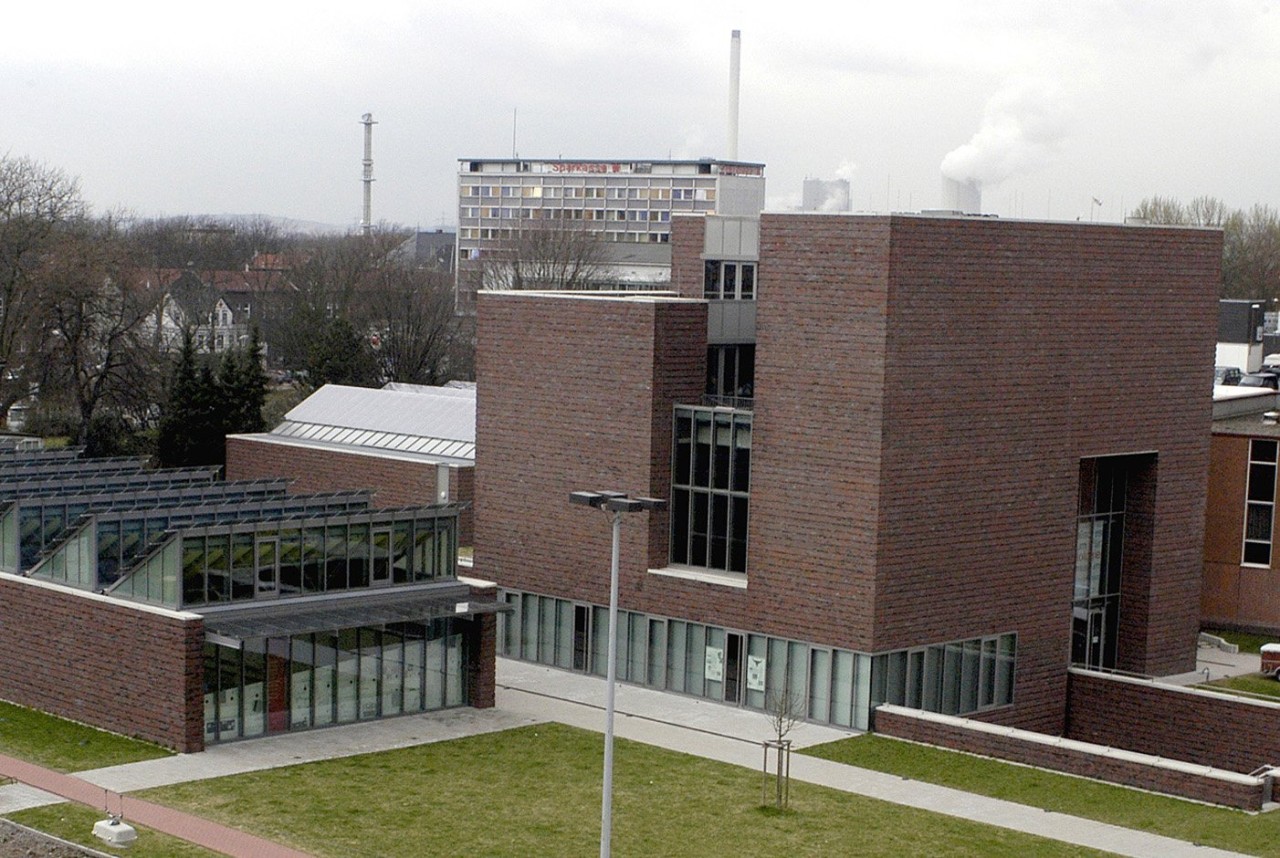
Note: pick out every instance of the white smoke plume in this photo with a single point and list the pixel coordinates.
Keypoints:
(1022, 125)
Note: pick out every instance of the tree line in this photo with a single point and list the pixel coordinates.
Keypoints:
(97, 346)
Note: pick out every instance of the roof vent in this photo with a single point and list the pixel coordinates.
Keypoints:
(1271, 417)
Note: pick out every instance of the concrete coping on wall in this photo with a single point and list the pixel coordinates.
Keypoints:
(1066, 744)
(97, 597)
(1152, 682)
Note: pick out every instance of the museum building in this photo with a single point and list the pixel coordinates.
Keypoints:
(919, 460)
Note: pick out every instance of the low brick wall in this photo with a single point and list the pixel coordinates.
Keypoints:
(1201, 783)
(1220, 730)
(131, 669)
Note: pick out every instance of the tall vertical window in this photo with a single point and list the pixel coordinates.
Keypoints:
(1260, 503)
(710, 481)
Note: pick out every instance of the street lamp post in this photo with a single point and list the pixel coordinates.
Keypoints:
(616, 504)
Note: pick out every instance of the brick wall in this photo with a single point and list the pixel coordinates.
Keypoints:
(925, 484)
(688, 237)
(131, 670)
(395, 482)
(576, 393)
(481, 640)
(1219, 730)
(1074, 758)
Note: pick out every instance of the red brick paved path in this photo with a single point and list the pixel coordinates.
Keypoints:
(194, 829)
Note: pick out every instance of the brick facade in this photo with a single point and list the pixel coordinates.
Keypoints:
(130, 669)
(1076, 758)
(907, 488)
(394, 481)
(1227, 732)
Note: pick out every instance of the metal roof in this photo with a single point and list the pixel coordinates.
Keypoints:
(288, 617)
(428, 421)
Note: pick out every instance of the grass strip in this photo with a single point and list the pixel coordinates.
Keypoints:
(67, 746)
(1255, 834)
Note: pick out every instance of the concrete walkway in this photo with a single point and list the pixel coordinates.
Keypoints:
(530, 694)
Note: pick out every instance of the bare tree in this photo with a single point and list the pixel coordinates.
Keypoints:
(419, 338)
(36, 204)
(785, 708)
(99, 352)
(547, 254)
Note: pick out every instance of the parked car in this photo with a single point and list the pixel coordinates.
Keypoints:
(1226, 375)
(1260, 379)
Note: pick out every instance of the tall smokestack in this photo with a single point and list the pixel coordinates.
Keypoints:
(735, 62)
(366, 223)
(963, 197)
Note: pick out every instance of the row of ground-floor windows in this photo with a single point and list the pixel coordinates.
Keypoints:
(274, 684)
(762, 672)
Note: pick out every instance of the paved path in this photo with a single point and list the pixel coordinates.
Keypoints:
(530, 694)
(195, 829)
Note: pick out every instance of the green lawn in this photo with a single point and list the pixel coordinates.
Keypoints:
(535, 791)
(1185, 820)
(65, 745)
(1246, 641)
(1250, 683)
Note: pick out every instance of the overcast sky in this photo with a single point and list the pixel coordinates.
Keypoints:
(242, 108)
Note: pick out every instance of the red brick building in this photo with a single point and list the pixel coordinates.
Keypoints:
(927, 461)
(1240, 587)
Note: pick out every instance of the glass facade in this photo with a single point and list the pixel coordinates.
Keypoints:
(276, 684)
(820, 683)
(1100, 530)
(710, 485)
(1260, 503)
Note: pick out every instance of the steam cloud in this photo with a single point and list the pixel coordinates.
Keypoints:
(1022, 125)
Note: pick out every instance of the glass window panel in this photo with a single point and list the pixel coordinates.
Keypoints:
(302, 657)
(969, 676)
(291, 562)
(335, 557)
(987, 694)
(696, 661)
(1262, 482)
(415, 661)
(255, 691)
(229, 692)
(242, 566)
(546, 619)
(657, 668)
(1006, 659)
(842, 678)
(193, 590)
(820, 685)
(402, 542)
(358, 547)
(600, 641)
(529, 627)
(392, 673)
(564, 634)
(435, 666)
(932, 683)
(313, 560)
(676, 654)
(348, 675)
(455, 687)
(951, 679)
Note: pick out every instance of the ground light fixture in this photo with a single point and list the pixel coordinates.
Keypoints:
(615, 505)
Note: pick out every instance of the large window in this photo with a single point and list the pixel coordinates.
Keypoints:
(728, 280)
(1260, 503)
(710, 481)
(731, 371)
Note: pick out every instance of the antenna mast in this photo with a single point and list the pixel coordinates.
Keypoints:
(366, 223)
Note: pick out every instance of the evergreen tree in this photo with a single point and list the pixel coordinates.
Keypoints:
(174, 441)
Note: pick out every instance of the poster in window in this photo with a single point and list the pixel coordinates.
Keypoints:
(755, 672)
(715, 664)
